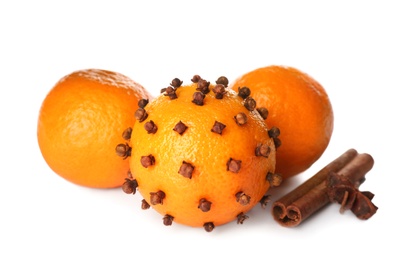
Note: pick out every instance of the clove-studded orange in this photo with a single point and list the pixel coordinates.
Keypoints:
(201, 154)
(80, 123)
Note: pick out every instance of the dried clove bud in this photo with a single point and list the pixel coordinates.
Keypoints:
(240, 118)
(274, 132)
(277, 142)
(222, 80)
(176, 83)
(263, 112)
(198, 98)
(265, 200)
(263, 150)
(242, 198)
(123, 150)
(144, 204)
(243, 92)
(147, 161)
(157, 197)
(140, 114)
(130, 186)
(209, 226)
(150, 127)
(127, 133)
(250, 103)
(274, 179)
(195, 78)
(167, 220)
(186, 170)
(241, 218)
(142, 103)
(204, 205)
(180, 128)
(203, 86)
(233, 165)
(219, 90)
(218, 127)
(170, 92)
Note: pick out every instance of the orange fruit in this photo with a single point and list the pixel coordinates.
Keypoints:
(201, 155)
(301, 109)
(81, 121)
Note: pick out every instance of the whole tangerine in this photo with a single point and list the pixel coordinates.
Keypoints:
(201, 154)
(80, 122)
(300, 107)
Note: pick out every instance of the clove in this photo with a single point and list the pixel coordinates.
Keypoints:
(242, 198)
(150, 127)
(157, 197)
(218, 127)
(204, 205)
(147, 161)
(233, 165)
(186, 170)
(241, 218)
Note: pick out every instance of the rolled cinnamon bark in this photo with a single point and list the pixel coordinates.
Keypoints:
(303, 201)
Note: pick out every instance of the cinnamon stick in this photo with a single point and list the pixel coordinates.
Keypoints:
(295, 207)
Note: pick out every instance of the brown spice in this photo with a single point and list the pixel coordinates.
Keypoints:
(209, 226)
(222, 80)
(293, 208)
(241, 218)
(147, 161)
(167, 220)
(204, 205)
(265, 200)
(180, 128)
(240, 118)
(243, 92)
(157, 197)
(233, 165)
(140, 114)
(277, 142)
(195, 78)
(264, 113)
(218, 127)
(274, 179)
(130, 186)
(144, 204)
(242, 198)
(343, 191)
(186, 170)
(203, 86)
(176, 83)
(263, 150)
(127, 133)
(170, 92)
(274, 132)
(219, 90)
(123, 150)
(198, 98)
(250, 103)
(150, 127)
(142, 103)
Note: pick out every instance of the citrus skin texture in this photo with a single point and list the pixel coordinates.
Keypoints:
(207, 151)
(80, 123)
(300, 107)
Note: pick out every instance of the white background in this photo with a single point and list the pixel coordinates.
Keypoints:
(355, 49)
